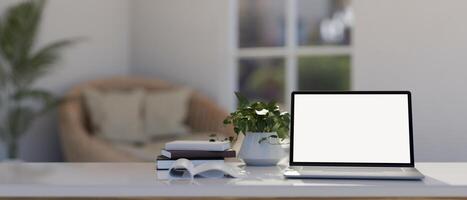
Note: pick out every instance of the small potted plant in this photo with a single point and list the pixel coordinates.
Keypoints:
(264, 127)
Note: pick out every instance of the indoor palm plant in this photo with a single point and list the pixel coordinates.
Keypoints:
(21, 64)
(264, 127)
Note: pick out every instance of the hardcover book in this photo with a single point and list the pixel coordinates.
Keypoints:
(196, 154)
(198, 145)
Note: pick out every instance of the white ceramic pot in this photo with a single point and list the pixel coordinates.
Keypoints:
(266, 153)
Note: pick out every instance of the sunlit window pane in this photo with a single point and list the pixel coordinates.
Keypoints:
(324, 22)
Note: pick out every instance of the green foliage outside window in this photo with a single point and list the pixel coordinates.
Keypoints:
(324, 73)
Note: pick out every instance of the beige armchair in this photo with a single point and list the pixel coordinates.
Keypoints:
(79, 143)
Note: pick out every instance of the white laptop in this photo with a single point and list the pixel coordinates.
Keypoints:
(352, 134)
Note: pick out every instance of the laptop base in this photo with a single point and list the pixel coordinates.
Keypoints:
(395, 173)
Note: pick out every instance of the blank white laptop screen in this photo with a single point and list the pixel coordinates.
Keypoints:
(351, 128)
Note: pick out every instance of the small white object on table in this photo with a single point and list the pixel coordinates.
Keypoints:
(139, 180)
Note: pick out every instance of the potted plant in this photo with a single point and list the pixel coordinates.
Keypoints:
(21, 64)
(264, 127)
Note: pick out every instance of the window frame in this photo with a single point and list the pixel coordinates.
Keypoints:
(290, 52)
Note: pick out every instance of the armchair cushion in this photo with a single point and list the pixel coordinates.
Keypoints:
(165, 112)
(116, 115)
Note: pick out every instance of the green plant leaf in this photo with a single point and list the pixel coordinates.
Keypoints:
(47, 100)
(49, 54)
(18, 33)
(18, 30)
(2, 134)
(39, 63)
(253, 118)
(242, 101)
(19, 120)
(2, 81)
(272, 106)
(41, 95)
(44, 97)
(51, 105)
(227, 120)
(3, 75)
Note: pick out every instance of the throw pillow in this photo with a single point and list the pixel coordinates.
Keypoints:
(116, 115)
(165, 112)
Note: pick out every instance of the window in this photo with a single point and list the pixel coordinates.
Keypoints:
(286, 45)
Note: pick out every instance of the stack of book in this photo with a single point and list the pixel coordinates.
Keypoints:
(198, 152)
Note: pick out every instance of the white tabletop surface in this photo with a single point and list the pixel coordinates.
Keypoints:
(140, 179)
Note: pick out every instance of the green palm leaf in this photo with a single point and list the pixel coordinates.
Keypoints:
(242, 100)
(2, 134)
(19, 29)
(19, 120)
(3, 77)
(47, 99)
(41, 95)
(39, 63)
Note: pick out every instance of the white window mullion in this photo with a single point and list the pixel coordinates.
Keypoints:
(262, 52)
(268, 52)
(233, 51)
(291, 47)
(324, 51)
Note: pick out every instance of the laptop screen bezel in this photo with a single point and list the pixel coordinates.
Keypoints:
(351, 164)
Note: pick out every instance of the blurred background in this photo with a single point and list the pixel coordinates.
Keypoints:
(266, 49)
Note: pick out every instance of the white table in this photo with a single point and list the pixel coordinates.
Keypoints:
(139, 180)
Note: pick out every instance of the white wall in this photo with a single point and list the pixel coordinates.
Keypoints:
(418, 45)
(104, 52)
(183, 41)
